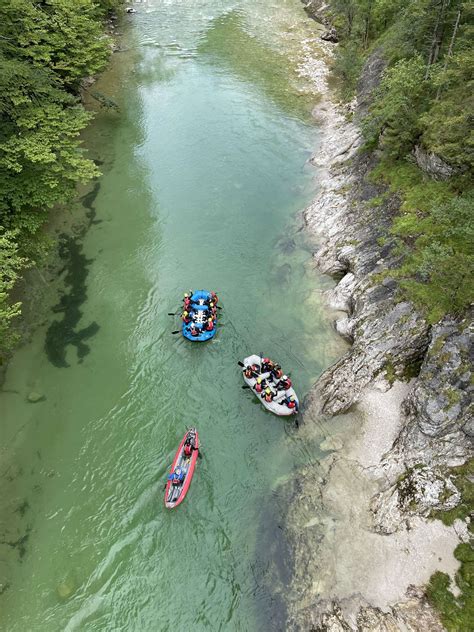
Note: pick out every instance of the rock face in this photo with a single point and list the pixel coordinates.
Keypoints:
(418, 492)
(407, 478)
(317, 9)
(438, 411)
(432, 164)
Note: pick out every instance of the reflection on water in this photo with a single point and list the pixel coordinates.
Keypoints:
(204, 173)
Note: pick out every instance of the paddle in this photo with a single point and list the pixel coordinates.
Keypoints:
(245, 386)
(176, 332)
(172, 313)
(241, 364)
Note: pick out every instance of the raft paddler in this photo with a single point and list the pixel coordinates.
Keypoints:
(291, 402)
(260, 384)
(186, 317)
(189, 447)
(267, 365)
(176, 477)
(284, 384)
(277, 372)
(209, 324)
(250, 371)
(268, 395)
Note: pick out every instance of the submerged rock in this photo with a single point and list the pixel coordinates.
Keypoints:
(66, 587)
(35, 397)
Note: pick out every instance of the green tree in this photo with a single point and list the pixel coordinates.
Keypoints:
(63, 35)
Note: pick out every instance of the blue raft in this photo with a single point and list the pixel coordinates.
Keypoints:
(199, 307)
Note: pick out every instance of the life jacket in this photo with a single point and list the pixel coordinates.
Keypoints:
(188, 449)
(291, 404)
(215, 298)
(210, 326)
(186, 319)
(268, 397)
(277, 373)
(194, 332)
(286, 383)
(258, 388)
(248, 372)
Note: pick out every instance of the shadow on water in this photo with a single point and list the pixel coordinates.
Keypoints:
(272, 570)
(62, 333)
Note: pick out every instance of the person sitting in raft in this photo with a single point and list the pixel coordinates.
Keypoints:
(214, 298)
(260, 385)
(176, 477)
(186, 301)
(189, 447)
(194, 331)
(291, 402)
(248, 372)
(277, 372)
(267, 395)
(267, 365)
(186, 317)
(209, 324)
(284, 384)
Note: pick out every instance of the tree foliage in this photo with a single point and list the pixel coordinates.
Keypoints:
(46, 49)
(425, 98)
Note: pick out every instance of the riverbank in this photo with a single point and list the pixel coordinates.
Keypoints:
(389, 457)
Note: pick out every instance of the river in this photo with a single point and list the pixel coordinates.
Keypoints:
(204, 172)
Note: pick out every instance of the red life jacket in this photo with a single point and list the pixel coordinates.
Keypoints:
(291, 404)
(269, 397)
(287, 383)
(194, 332)
(210, 326)
(278, 373)
(248, 373)
(258, 388)
(188, 450)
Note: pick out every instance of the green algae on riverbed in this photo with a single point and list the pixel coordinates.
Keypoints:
(204, 173)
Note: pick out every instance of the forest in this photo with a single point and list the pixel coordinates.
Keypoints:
(46, 49)
(424, 104)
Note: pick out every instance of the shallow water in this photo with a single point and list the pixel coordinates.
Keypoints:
(204, 174)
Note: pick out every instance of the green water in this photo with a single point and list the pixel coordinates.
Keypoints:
(204, 174)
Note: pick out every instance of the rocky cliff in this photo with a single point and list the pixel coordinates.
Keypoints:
(399, 467)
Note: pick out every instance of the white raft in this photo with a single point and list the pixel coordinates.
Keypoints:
(274, 406)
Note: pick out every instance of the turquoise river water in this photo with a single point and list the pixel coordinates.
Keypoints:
(204, 172)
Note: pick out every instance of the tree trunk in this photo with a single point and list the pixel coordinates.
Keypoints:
(451, 46)
(437, 38)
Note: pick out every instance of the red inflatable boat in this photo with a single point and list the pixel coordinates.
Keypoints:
(182, 470)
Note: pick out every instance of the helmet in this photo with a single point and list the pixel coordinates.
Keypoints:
(209, 320)
(266, 360)
(292, 398)
(211, 304)
(186, 295)
(267, 391)
(284, 377)
(259, 380)
(185, 313)
(178, 471)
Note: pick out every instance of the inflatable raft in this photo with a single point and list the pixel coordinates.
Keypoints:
(277, 405)
(199, 313)
(175, 493)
